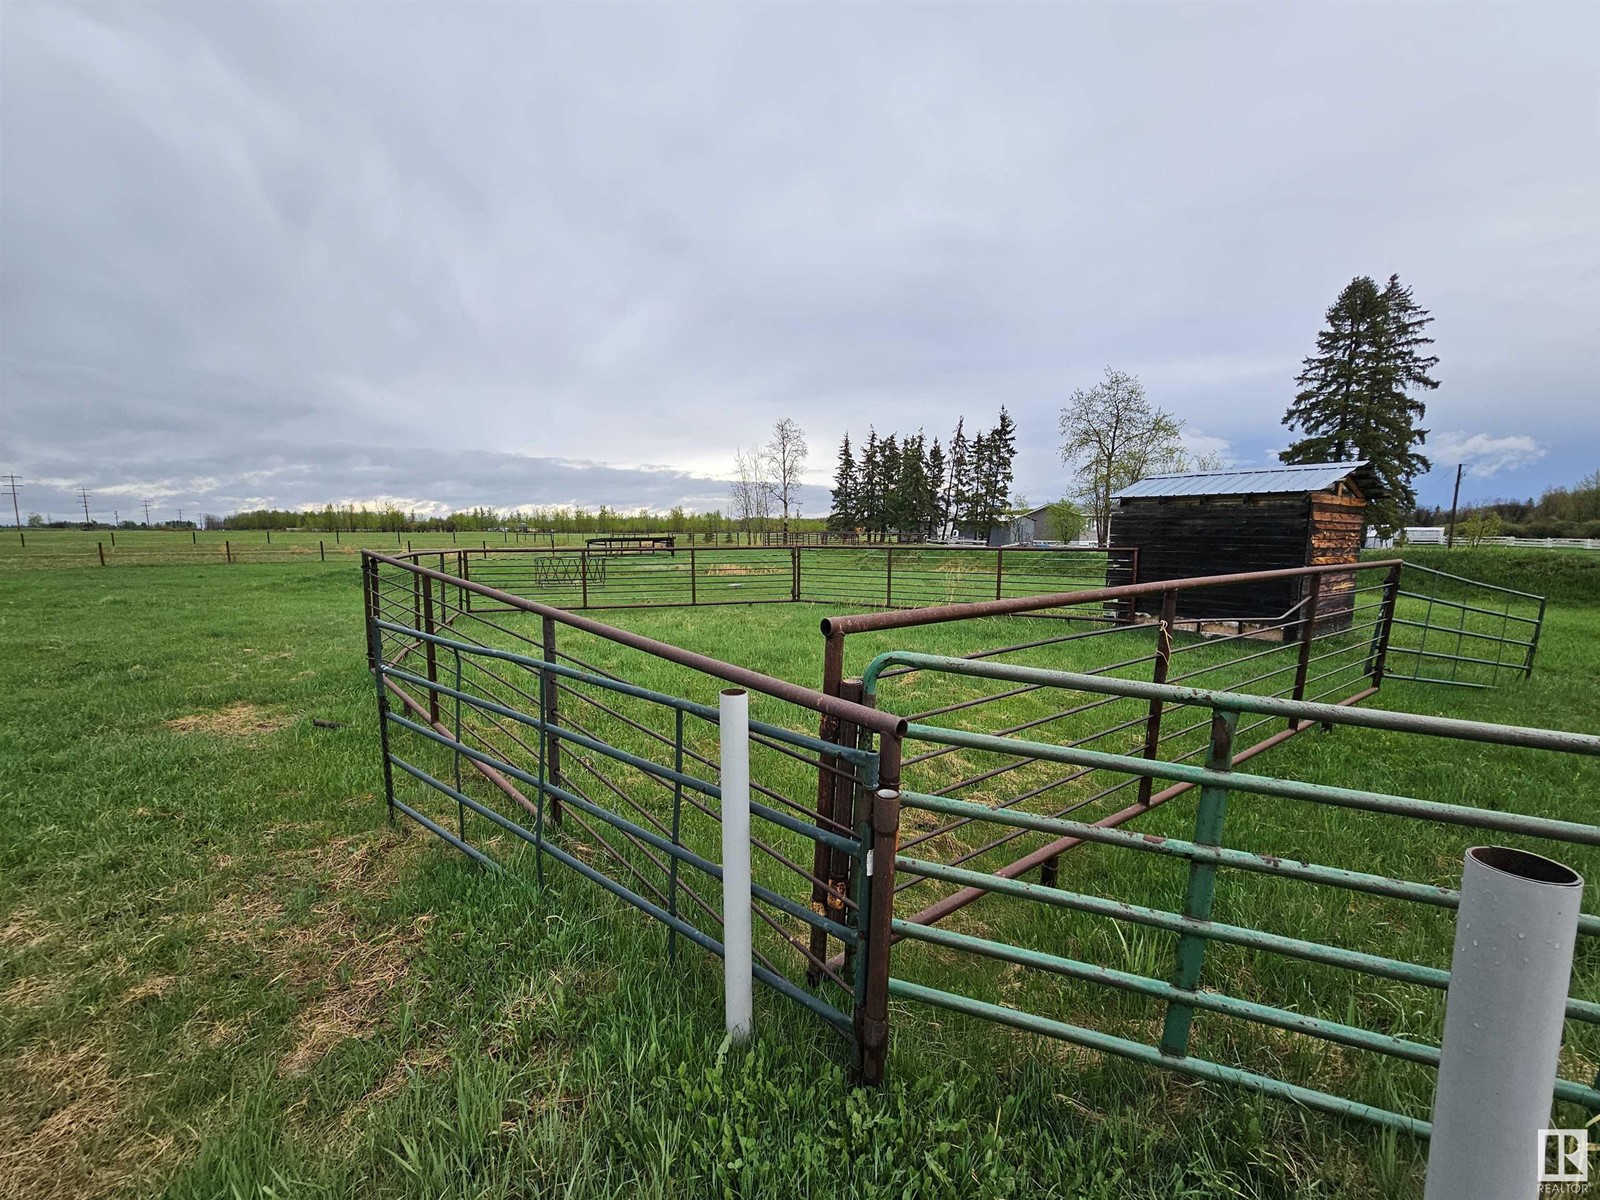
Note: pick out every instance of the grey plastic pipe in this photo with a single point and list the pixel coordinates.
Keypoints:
(738, 981)
(1509, 976)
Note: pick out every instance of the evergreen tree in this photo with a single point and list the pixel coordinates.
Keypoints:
(845, 500)
(869, 494)
(1002, 459)
(934, 517)
(956, 478)
(888, 480)
(1359, 392)
(913, 490)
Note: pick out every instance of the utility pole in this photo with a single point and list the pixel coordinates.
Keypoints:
(147, 514)
(1450, 534)
(11, 486)
(83, 494)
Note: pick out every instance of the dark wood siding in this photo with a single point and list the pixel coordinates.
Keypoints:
(1183, 536)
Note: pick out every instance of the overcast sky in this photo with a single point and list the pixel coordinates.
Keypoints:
(539, 254)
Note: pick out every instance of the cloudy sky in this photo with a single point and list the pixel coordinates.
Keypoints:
(539, 254)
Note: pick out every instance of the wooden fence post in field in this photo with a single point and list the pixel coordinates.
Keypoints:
(269, 537)
(322, 551)
(227, 550)
(101, 546)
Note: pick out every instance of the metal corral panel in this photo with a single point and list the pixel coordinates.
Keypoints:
(1301, 477)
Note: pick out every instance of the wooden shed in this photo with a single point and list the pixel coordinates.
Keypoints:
(1223, 522)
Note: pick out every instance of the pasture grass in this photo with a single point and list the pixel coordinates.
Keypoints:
(223, 973)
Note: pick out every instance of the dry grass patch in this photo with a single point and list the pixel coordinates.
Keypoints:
(25, 929)
(30, 991)
(343, 973)
(237, 720)
(65, 1130)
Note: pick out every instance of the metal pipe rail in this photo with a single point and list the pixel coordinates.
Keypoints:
(1204, 854)
(662, 842)
(905, 619)
(1317, 714)
(767, 685)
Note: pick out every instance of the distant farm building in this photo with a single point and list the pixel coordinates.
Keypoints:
(1227, 522)
(1022, 529)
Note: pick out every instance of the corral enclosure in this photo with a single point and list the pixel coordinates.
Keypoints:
(1030, 735)
(221, 969)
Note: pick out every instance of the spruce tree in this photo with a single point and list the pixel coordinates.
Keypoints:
(1002, 457)
(843, 515)
(888, 481)
(1359, 396)
(933, 516)
(956, 478)
(972, 505)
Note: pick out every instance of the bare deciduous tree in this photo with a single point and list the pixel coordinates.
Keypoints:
(1113, 438)
(751, 493)
(786, 458)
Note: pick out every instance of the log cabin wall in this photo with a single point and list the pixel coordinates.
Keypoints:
(1183, 536)
(1338, 522)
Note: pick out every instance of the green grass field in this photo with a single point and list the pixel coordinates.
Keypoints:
(222, 973)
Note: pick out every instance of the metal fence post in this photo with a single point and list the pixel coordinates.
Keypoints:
(1202, 885)
(583, 575)
(1533, 642)
(844, 817)
(888, 576)
(999, 571)
(376, 657)
(429, 650)
(677, 829)
(872, 1014)
(1158, 674)
(794, 573)
(369, 607)
(694, 584)
(1380, 651)
(1307, 634)
(549, 692)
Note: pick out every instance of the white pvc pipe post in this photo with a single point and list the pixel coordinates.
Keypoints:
(1509, 977)
(734, 714)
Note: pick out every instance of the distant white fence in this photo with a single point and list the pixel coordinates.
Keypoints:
(1434, 535)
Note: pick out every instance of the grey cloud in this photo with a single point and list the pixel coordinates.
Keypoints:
(631, 235)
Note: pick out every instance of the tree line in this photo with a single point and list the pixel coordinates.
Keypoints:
(1561, 512)
(565, 519)
(913, 484)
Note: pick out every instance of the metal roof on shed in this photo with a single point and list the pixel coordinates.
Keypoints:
(1297, 477)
